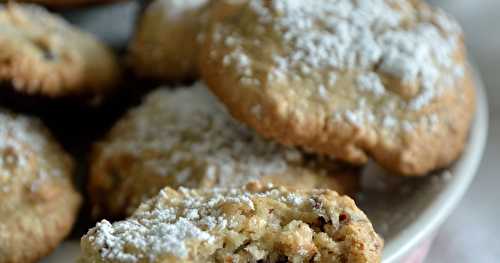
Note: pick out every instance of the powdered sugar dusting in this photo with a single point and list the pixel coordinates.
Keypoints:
(178, 224)
(371, 83)
(161, 228)
(21, 140)
(373, 38)
(149, 235)
(189, 126)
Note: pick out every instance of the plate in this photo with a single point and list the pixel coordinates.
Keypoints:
(405, 211)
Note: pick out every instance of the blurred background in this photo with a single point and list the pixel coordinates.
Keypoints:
(472, 232)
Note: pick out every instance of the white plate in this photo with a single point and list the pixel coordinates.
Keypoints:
(405, 211)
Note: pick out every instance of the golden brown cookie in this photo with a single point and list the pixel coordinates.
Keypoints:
(40, 53)
(165, 46)
(356, 79)
(184, 137)
(252, 224)
(38, 203)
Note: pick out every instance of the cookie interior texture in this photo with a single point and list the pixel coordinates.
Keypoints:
(250, 224)
(165, 46)
(38, 204)
(40, 53)
(357, 79)
(185, 137)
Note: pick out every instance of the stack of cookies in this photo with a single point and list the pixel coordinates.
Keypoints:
(271, 110)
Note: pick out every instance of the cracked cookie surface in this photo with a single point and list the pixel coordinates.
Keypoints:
(38, 203)
(42, 54)
(356, 79)
(249, 224)
(185, 137)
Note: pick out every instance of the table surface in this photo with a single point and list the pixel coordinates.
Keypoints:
(472, 232)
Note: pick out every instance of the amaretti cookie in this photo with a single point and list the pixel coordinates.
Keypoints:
(38, 203)
(42, 54)
(165, 46)
(185, 137)
(356, 79)
(252, 224)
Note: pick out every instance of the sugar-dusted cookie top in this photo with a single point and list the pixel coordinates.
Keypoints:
(185, 137)
(38, 204)
(43, 54)
(381, 78)
(249, 224)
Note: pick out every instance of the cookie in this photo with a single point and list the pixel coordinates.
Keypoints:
(42, 54)
(185, 137)
(164, 46)
(356, 79)
(252, 224)
(38, 204)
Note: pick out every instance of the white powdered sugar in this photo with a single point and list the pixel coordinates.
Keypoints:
(394, 38)
(293, 199)
(18, 132)
(150, 235)
(21, 139)
(183, 223)
(389, 121)
(159, 228)
(195, 134)
(371, 82)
